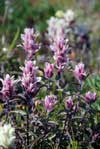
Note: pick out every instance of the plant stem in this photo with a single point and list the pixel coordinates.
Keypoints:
(27, 133)
(7, 112)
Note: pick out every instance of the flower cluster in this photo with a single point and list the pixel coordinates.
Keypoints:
(50, 102)
(90, 97)
(29, 42)
(56, 28)
(59, 26)
(49, 70)
(29, 79)
(60, 50)
(56, 109)
(69, 16)
(7, 136)
(69, 103)
(79, 72)
(8, 87)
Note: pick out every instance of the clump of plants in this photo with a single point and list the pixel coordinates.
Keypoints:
(47, 105)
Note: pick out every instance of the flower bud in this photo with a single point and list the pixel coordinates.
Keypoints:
(49, 69)
(95, 136)
(59, 13)
(69, 103)
(49, 102)
(29, 42)
(90, 97)
(79, 72)
(7, 135)
(8, 86)
(29, 79)
(69, 16)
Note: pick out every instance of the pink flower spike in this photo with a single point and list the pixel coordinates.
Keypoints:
(95, 136)
(29, 68)
(50, 102)
(29, 79)
(8, 86)
(79, 72)
(90, 97)
(29, 42)
(60, 50)
(69, 103)
(49, 70)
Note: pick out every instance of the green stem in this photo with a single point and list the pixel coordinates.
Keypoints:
(27, 127)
